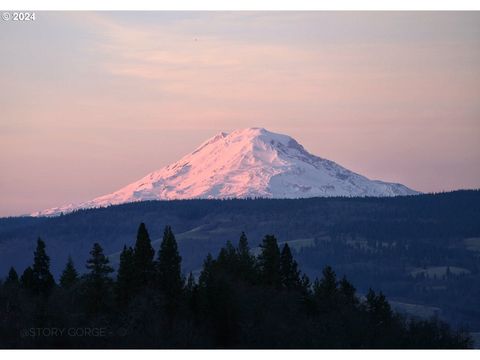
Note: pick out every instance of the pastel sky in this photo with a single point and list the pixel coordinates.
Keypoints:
(91, 101)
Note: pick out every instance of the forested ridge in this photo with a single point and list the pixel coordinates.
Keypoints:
(238, 300)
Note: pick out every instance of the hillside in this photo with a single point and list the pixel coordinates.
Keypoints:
(421, 250)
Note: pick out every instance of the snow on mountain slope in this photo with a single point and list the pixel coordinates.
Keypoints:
(246, 163)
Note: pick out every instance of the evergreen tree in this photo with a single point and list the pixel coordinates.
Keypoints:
(27, 280)
(305, 284)
(190, 285)
(217, 300)
(69, 275)
(143, 258)
(97, 280)
(207, 271)
(378, 308)
(243, 247)
(98, 264)
(191, 292)
(12, 278)
(325, 291)
(327, 286)
(42, 279)
(170, 280)
(269, 261)
(228, 260)
(246, 261)
(381, 326)
(347, 292)
(126, 277)
(290, 275)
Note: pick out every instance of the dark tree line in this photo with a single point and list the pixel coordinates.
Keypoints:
(238, 300)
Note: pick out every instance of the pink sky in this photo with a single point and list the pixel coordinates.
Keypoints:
(93, 101)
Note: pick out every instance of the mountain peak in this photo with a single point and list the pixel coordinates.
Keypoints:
(255, 132)
(246, 163)
(247, 134)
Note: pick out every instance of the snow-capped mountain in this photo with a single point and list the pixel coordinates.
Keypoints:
(246, 163)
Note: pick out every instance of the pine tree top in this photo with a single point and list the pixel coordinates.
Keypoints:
(69, 275)
(98, 264)
(12, 277)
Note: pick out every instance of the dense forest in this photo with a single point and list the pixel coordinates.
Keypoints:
(238, 300)
(422, 251)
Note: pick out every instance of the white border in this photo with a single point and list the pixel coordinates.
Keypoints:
(240, 5)
(242, 354)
